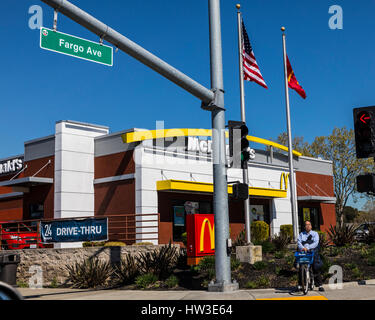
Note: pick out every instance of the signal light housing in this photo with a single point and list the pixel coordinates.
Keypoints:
(364, 129)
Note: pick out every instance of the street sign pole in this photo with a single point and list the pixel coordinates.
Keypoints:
(212, 100)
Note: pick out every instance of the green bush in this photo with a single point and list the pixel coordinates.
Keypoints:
(90, 273)
(114, 244)
(234, 263)
(370, 236)
(263, 281)
(287, 229)
(172, 281)
(342, 235)
(371, 261)
(260, 265)
(207, 264)
(279, 254)
(184, 238)
(267, 246)
(145, 280)
(159, 262)
(251, 285)
(127, 270)
(259, 231)
(323, 240)
(93, 244)
(143, 244)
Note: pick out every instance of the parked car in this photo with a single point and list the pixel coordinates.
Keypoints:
(362, 231)
(15, 236)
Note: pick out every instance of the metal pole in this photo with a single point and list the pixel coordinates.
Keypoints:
(105, 32)
(220, 199)
(290, 147)
(245, 173)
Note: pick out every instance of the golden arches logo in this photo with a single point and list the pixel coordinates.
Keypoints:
(212, 234)
(284, 181)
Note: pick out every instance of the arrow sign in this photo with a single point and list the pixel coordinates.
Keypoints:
(365, 117)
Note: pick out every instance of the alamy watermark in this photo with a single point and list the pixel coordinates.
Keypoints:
(36, 280)
(336, 21)
(36, 20)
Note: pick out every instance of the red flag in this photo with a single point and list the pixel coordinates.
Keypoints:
(292, 81)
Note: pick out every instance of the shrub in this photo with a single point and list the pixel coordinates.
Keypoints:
(172, 281)
(184, 238)
(267, 246)
(93, 244)
(240, 240)
(371, 261)
(279, 254)
(159, 262)
(90, 273)
(323, 240)
(234, 263)
(342, 235)
(259, 231)
(281, 241)
(370, 236)
(143, 244)
(263, 281)
(260, 265)
(127, 270)
(207, 264)
(251, 285)
(114, 244)
(287, 229)
(145, 280)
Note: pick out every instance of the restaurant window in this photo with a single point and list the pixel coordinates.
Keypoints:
(311, 214)
(181, 208)
(37, 211)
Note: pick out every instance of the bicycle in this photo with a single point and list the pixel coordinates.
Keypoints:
(304, 261)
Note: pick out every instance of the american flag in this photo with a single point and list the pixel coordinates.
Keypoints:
(250, 67)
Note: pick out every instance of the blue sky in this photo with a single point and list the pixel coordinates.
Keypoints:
(334, 66)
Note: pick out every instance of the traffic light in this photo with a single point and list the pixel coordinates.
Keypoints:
(239, 150)
(364, 129)
(240, 191)
(366, 183)
(245, 152)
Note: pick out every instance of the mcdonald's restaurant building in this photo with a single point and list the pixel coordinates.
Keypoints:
(154, 179)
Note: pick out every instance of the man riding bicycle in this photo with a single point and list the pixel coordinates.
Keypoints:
(309, 240)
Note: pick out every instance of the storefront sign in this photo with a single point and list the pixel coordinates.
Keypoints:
(200, 230)
(205, 146)
(74, 230)
(11, 166)
(76, 47)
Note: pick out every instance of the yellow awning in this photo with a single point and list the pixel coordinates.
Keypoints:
(193, 186)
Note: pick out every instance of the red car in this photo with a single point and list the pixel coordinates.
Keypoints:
(15, 236)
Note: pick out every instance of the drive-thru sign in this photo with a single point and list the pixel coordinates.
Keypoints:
(76, 47)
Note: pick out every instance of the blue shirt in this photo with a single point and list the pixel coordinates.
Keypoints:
(303, 237)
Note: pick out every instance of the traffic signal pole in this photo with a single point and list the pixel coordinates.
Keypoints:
(212, 100)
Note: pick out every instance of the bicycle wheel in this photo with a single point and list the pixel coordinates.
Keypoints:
(305, 278)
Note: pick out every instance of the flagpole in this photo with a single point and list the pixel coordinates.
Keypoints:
(245, 173)
(293, 196)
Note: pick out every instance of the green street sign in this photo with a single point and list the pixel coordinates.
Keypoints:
(76, 47)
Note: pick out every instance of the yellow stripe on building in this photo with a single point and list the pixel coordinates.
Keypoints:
(193, 186)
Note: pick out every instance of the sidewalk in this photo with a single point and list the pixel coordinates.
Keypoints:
(350, 291)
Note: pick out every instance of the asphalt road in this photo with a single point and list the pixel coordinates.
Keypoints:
(350, 291)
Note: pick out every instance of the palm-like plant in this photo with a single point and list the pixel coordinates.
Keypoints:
(342, 235)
